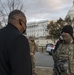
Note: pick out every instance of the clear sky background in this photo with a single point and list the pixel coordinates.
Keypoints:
(46, 9)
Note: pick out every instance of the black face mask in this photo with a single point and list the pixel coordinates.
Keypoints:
(24, 32)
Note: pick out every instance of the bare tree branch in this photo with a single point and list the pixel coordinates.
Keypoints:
(3, 7)
(8, 5)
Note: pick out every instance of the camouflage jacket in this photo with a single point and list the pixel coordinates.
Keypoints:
(65, 54)
(33, 47)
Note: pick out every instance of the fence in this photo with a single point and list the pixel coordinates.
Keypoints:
(41, 48)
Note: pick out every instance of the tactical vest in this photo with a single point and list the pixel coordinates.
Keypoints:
(65, 55)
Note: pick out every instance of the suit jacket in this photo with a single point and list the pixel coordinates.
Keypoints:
(14, 52)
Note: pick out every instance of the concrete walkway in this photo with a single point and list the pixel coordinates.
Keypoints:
(43, 70)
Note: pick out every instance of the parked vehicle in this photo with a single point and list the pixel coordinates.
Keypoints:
(49, 48)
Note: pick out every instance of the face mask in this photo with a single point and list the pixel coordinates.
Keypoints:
(24, 32)
(61, 37)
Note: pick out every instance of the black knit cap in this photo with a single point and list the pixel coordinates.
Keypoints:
(68, 29)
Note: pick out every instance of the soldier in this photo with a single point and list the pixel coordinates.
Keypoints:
(33, 49)
(64, 55)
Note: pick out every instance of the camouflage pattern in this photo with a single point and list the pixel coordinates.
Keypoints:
(33, 50)
(32, 47)
(65, 55)
(33, 65)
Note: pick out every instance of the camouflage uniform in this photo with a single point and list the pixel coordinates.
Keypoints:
(65, 55)
(33, 50)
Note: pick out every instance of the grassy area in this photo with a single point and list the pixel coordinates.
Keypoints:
(43, 71)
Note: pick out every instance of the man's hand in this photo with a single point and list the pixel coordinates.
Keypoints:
(31, 54)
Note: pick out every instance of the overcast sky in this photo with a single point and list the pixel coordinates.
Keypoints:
(46, 9)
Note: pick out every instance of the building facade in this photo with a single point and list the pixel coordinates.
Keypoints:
(71, 12)
(37, 29)
(71, 15)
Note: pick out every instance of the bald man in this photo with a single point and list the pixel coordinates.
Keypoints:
(14, 47)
